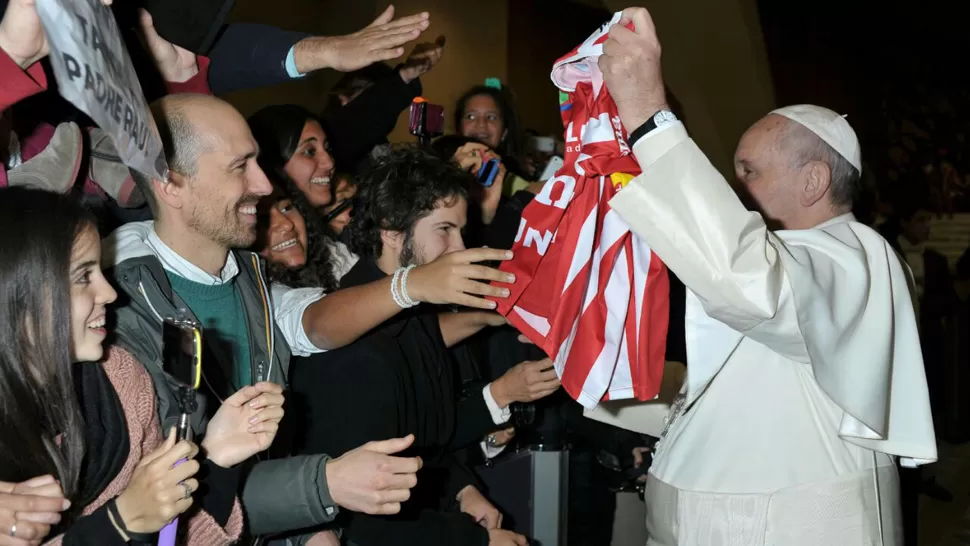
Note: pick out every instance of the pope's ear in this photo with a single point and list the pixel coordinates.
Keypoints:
(816, 179)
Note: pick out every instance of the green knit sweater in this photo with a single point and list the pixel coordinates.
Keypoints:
(220, 310)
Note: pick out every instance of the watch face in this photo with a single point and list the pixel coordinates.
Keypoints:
(664, 117)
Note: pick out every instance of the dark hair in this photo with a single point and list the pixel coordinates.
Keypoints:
(511, 145)
(277, 131)
(341, 176)
(41, 427)
(396, 190)
(903, 211)
(447, 145)
(317, 272)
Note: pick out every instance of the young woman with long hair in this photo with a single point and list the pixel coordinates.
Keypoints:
(487, 115)
(293, 151)
(71, 411)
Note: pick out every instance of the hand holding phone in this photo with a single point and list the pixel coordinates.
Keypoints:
(182, 360)
(488, 172)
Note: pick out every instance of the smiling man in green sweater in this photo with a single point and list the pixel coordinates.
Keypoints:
(183, 262)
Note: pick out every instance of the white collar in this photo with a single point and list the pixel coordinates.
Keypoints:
(840, 219)
(174, 263)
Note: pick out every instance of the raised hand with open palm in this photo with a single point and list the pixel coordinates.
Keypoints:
(382, 40)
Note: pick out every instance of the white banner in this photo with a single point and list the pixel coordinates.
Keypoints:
(95, 73)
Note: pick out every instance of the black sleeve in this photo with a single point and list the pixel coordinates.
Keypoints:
(219, 486)
(474, 420)
(249, 55)
(459, 477)
(346, 397)
(95, 530)
(501, 232)
(354, 129)
(428, 528)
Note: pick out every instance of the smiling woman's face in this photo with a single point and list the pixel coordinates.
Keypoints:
(91, 293)
(483, 121)
(285, 237)
(311, 165)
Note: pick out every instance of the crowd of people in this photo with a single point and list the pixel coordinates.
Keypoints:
(354, 371)
(250, 233)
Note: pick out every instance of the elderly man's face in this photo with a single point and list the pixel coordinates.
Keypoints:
(766, 180)
(228, 183)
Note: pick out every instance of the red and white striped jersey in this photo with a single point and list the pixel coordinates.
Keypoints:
(589, 293)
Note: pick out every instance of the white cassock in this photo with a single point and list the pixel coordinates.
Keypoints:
(804, 381)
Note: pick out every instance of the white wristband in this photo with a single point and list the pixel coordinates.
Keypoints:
(399, 287)
(404, 287)
(394, 289)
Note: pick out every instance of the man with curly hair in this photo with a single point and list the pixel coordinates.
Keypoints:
(410, 210)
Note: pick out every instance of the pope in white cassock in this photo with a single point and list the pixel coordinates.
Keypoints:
(804, 376)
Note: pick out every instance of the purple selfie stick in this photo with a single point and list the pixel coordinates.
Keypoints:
(166, 537)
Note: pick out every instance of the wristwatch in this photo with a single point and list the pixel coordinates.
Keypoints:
(660, 119)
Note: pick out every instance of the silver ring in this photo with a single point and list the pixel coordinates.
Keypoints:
(13, 530)
(188, 490)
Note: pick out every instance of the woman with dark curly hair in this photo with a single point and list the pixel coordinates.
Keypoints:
(294, 154)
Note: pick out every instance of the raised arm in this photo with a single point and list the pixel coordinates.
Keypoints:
(247, 55)
(686, 211)
(835, 296)
(382, 40)
(250, 55)
(345, 315)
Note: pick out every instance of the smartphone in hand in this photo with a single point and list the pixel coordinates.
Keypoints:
(488, 172)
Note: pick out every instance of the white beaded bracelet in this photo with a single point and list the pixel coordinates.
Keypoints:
(399, 288)
(404, 287)
(394, 289)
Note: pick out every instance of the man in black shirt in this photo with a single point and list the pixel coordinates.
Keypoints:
(411, 209)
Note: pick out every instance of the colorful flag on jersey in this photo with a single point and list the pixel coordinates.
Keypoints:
(589, 293)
